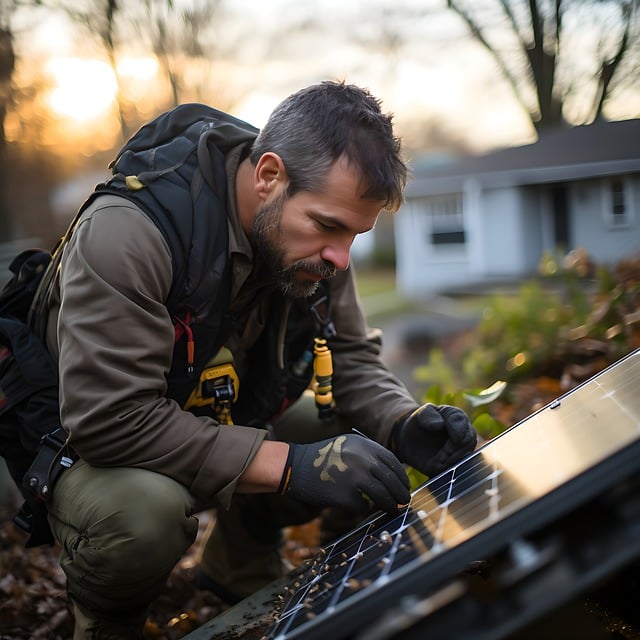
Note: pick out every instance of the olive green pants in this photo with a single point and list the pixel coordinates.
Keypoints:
(122, 530)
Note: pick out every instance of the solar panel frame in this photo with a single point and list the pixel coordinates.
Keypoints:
(429, 572)
(439, 569)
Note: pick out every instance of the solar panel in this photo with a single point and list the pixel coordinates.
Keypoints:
(577, 451)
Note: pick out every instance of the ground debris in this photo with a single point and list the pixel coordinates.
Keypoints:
(33, 600)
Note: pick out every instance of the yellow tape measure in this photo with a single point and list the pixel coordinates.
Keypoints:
(217, 387)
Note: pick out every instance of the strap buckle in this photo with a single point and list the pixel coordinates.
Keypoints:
(321, 311)
(53, 457)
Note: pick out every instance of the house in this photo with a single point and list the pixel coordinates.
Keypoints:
(483, 219)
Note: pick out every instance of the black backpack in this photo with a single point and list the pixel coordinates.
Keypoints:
(162, 156)
(29, 411)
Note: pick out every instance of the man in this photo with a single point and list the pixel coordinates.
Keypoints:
(217, 251)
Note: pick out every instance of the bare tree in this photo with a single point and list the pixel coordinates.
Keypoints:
(174, 33)
(8, 9)
(99, 19)
(564, 59)
(7, 66)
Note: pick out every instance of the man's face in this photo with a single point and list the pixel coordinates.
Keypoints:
(307, 237)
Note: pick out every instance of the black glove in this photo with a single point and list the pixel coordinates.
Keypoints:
(432, 438)
(341, 471)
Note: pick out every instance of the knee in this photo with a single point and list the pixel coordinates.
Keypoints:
(123, 521)
(149, 525)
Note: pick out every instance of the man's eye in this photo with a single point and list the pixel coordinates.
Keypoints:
(324, 226)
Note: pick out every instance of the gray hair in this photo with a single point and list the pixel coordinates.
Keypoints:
(315, 126)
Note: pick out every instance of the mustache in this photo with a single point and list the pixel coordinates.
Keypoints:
(323, 269)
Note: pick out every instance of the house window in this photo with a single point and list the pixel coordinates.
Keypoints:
(617, 203)
(444, 214)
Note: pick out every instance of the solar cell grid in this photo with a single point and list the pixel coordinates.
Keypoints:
(480, 494)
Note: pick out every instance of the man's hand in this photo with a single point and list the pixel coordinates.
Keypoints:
(432, 438)
(344, 472)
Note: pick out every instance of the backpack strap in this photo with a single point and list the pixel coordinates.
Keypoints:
(37, 314)
(173, 167)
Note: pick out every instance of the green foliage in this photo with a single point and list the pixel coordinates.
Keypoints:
(474, 402)
(438, 372)
(416, 478)
(516, 334)
(576, 314)
(444, 388)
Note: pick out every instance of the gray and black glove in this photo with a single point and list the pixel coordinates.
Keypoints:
(344, 472)
(432, 438)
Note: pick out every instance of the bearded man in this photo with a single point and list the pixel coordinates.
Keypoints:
(183, 308)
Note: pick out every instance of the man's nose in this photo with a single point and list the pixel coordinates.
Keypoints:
(337, 254)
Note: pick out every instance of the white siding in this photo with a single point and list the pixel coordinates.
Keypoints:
(422, 267)
(512, 232)
(591, 221)
(507, 229)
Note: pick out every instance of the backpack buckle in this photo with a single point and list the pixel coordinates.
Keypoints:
(53, 457)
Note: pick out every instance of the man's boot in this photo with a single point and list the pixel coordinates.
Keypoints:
(93, 627)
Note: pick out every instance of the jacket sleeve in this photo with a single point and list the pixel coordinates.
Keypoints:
(115, 341)
(366, 391)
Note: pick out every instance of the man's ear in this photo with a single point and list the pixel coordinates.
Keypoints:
(269, 175)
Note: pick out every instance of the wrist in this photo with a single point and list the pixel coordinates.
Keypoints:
(264, 473)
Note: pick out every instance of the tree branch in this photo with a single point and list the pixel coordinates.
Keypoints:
(479, 36)
(609, 67)
(543, 61)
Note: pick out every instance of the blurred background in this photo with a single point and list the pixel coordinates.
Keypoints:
(477, 87)
(543, 97)
(78, 77)
(511, 274)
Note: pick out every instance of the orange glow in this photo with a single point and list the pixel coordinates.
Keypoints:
(83, 90)
(75, 108)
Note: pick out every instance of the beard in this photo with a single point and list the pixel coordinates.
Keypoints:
(270, 247)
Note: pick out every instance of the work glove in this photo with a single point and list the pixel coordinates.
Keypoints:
(347, 471)
(432, 438)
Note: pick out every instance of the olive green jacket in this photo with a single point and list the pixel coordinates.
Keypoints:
(113, 337)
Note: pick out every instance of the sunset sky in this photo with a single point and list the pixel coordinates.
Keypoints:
(438, 73)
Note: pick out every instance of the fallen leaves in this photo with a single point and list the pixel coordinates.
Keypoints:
(33, 601)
